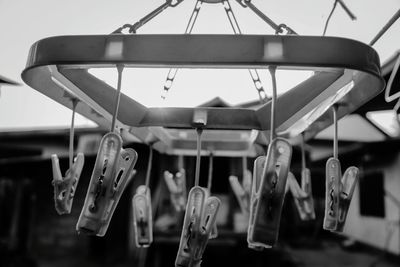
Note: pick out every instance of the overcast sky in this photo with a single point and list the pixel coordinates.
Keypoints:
(22, 22)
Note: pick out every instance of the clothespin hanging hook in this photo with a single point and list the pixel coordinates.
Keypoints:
(142, 210)
(339, 189)
(113, 169)
(302, 195)
(201, 211)
(64, 187)
(269, 183)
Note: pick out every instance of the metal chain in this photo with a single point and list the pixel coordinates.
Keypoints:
(133, 28)
(253, 72)
(279, 28)
(236, 29)
(173, 71)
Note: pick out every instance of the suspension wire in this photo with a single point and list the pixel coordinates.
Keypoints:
(278, 28)
(303, 152)
(173, 71)
(329, 17)
(253, 72)
(198, 157)
(345, 8)
(120, 68)
(244, 166)
(72, 133)
(133, 28)
(392, 20)
(335, 132)
(180, 162)
(272, 70)
(210, 171)
(149, 166)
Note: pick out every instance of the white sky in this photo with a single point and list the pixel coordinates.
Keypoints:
(22, 22)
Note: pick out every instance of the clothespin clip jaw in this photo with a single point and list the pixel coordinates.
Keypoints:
(142, 217)
(302, 196)
(200, 216)
(348, 185)
(64, 187)
(177, 188)
(242, 191)
(339, 192)
(113, 170)
(268, 193)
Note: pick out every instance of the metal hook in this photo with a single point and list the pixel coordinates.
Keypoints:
(210, 171)
(120, 68)
(335, 132)
(198, 157)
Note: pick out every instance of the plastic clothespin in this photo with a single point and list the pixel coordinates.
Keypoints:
(200, 216)
(339, 190)
(64, 187)
(176, 185)
(142, 217)
(303, 198)
(142, 211)
(302, 195)
(268, 192)
(269, 186)
(113, 169)
(112, 172)
(242, 190)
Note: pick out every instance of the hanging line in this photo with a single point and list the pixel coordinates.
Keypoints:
(303, 152)
(272, 70)
(392, 20)
(253, 72)
(210, 171)
(335, 132)
(198, 156)
(72, 133)
(181, 164)
(244, 166)
(117, 97)
(133, 28)
(149, 166)
(278, 28)
(345, 8)
(189, 27)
